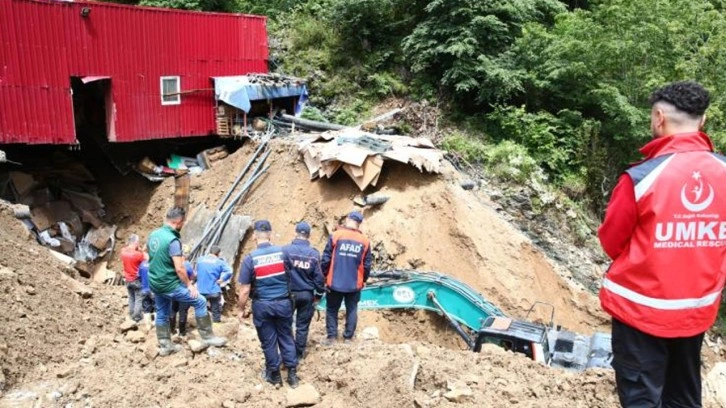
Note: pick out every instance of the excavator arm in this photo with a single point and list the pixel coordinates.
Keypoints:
(473, 318)
(461, 305)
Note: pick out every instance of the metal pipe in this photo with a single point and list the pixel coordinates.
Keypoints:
(217, 224)
(218, 212)
(242, 174)
(312, 123)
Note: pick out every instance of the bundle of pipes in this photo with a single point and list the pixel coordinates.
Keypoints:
(214, 228)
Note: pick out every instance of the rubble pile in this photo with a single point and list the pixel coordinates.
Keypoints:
(361, 154)
(60, 205)
(180, 165)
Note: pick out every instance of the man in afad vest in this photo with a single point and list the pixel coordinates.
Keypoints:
(346, 263)
(665, 230)
(306, 283)
(264, 276)
(169, 282)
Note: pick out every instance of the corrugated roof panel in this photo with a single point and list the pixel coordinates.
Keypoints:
(45, 43)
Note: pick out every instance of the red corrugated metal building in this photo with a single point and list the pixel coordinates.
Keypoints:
(45, 46)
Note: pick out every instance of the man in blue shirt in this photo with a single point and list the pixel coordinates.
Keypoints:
(212, 271)
(306, 279)
(147, 298)
(264, 276)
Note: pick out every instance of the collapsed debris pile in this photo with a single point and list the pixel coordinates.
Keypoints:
(361, 154)
(60, 205)
(177, 165)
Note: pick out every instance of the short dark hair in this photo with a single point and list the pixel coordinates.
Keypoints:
(687, 96)
(214, 249)
(175, 213)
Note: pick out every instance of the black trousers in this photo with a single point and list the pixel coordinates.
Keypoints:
(655, 372)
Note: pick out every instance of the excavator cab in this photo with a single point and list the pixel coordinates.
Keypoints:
(517, 336)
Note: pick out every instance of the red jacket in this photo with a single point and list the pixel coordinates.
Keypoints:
(665, 230)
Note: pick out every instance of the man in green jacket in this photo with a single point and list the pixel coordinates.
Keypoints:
(169, 281)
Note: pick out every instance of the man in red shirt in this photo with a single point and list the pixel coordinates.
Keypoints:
(665, 230)
(131, 258)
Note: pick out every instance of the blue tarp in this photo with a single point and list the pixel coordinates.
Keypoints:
(239, 92)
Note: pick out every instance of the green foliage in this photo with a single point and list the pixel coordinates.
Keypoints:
(604, 62)
(511, 162)
(471, 149)
(463, 45)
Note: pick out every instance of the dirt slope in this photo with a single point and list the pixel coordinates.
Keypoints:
(429, 222)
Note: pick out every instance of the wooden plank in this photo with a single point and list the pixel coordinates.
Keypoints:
(181, 191)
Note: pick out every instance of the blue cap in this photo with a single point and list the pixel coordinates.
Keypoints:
(263, 226)
(303, 228)
(356, 216)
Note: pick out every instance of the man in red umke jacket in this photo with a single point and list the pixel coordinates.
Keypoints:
(665, 230)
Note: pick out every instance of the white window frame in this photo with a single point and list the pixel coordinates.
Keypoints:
(177, 101)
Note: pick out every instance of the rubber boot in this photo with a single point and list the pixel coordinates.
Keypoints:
(274, 378)
(172, 324)
(204, 325)
(183, 329)
(166, 347)
(292, 378)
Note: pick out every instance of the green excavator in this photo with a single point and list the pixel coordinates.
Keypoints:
(479, 322)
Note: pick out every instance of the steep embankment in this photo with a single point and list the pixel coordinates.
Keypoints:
(430, 223)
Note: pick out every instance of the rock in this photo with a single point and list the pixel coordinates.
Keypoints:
(128, 325)
(180, 363)
(135, 336)
(70, 388)
(468, 184)
(65, 372)
(151, 351)
(458, 392)
(370, 333)
(54, 396)
(228, 404)
(30, 290)
(459, 395)
(2, 381)
(303, 396)
(197, 346)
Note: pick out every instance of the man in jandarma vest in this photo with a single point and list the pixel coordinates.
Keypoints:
(665, 230)
(169, 282)
(264, 276)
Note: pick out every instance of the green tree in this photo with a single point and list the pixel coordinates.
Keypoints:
(462, 45)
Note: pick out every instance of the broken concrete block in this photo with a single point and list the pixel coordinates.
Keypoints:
(303, 396)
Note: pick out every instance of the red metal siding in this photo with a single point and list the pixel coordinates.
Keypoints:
(44, 43)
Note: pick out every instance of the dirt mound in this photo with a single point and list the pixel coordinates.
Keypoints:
(45, 312)
(430, 223)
